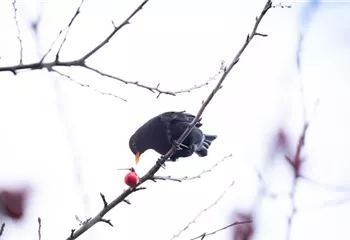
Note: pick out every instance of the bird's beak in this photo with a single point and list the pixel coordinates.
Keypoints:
(137, 158)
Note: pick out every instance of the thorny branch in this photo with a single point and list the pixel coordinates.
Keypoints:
(148, 176)
(170, 178)
(81, 62)
(203, 211)
(18, 32)
(203, 235)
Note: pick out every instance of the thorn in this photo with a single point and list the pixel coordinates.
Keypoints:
(127, 201)
(107, 221)
(72, 233)
(104, 200)
(140, 188)
(261, 34)
(114, 24)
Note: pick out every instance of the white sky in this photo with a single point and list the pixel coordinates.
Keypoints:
(67, 142)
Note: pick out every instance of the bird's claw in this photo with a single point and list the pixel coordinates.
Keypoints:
(162, 165)
(179, 146)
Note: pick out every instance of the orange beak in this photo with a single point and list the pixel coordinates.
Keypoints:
(137, 158)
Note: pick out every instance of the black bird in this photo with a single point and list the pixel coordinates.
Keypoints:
(161, 132)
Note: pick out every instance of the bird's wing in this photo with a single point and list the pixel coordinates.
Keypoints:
(174, 117)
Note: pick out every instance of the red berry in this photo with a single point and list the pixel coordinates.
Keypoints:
(131, 179)
(13, 203)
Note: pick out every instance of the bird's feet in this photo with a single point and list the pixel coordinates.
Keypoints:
(179, 146)
(162, 165)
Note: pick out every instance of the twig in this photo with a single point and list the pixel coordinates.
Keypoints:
(265, 187)
(282, 5)
(170, 178)
(203, 235)
(87, 85)
(2, 229)
(296, 166)
(326, 186)
(68, 29)
(105, 203)
(188, 90)
(116, 29)
(18, 33)
(151, 89)
(39, 228)
(148, 176)
(203, 211)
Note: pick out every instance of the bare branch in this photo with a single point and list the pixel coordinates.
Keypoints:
(148, 176)
(50, 48)
(116, 29)
(203, 235)
(202, 212)
(2, 229)
(87, 85)
(296, 166)
(265, 185)
(330, 187)
(206, 83)
(68, 28)
(152, 89)
(39, 228)
(81, 62)
(170, 178)
(18, 33)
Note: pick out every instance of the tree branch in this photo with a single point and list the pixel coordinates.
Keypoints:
(2, 229)
(148, 176)
(116, 29)
(87, 85)
(202, 212)
(68, 29)
(39, 228)
(81, 62)
(203, 235)
(18, 33)
(185, 178)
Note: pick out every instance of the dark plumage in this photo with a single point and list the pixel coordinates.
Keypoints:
(161, 132)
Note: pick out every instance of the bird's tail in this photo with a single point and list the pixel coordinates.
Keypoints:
(202, 151)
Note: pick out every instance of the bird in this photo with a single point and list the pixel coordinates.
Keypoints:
(161, 132)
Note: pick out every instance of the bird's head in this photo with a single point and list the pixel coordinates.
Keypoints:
(136, 147)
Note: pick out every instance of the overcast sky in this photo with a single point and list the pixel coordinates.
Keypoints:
(67, 141)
